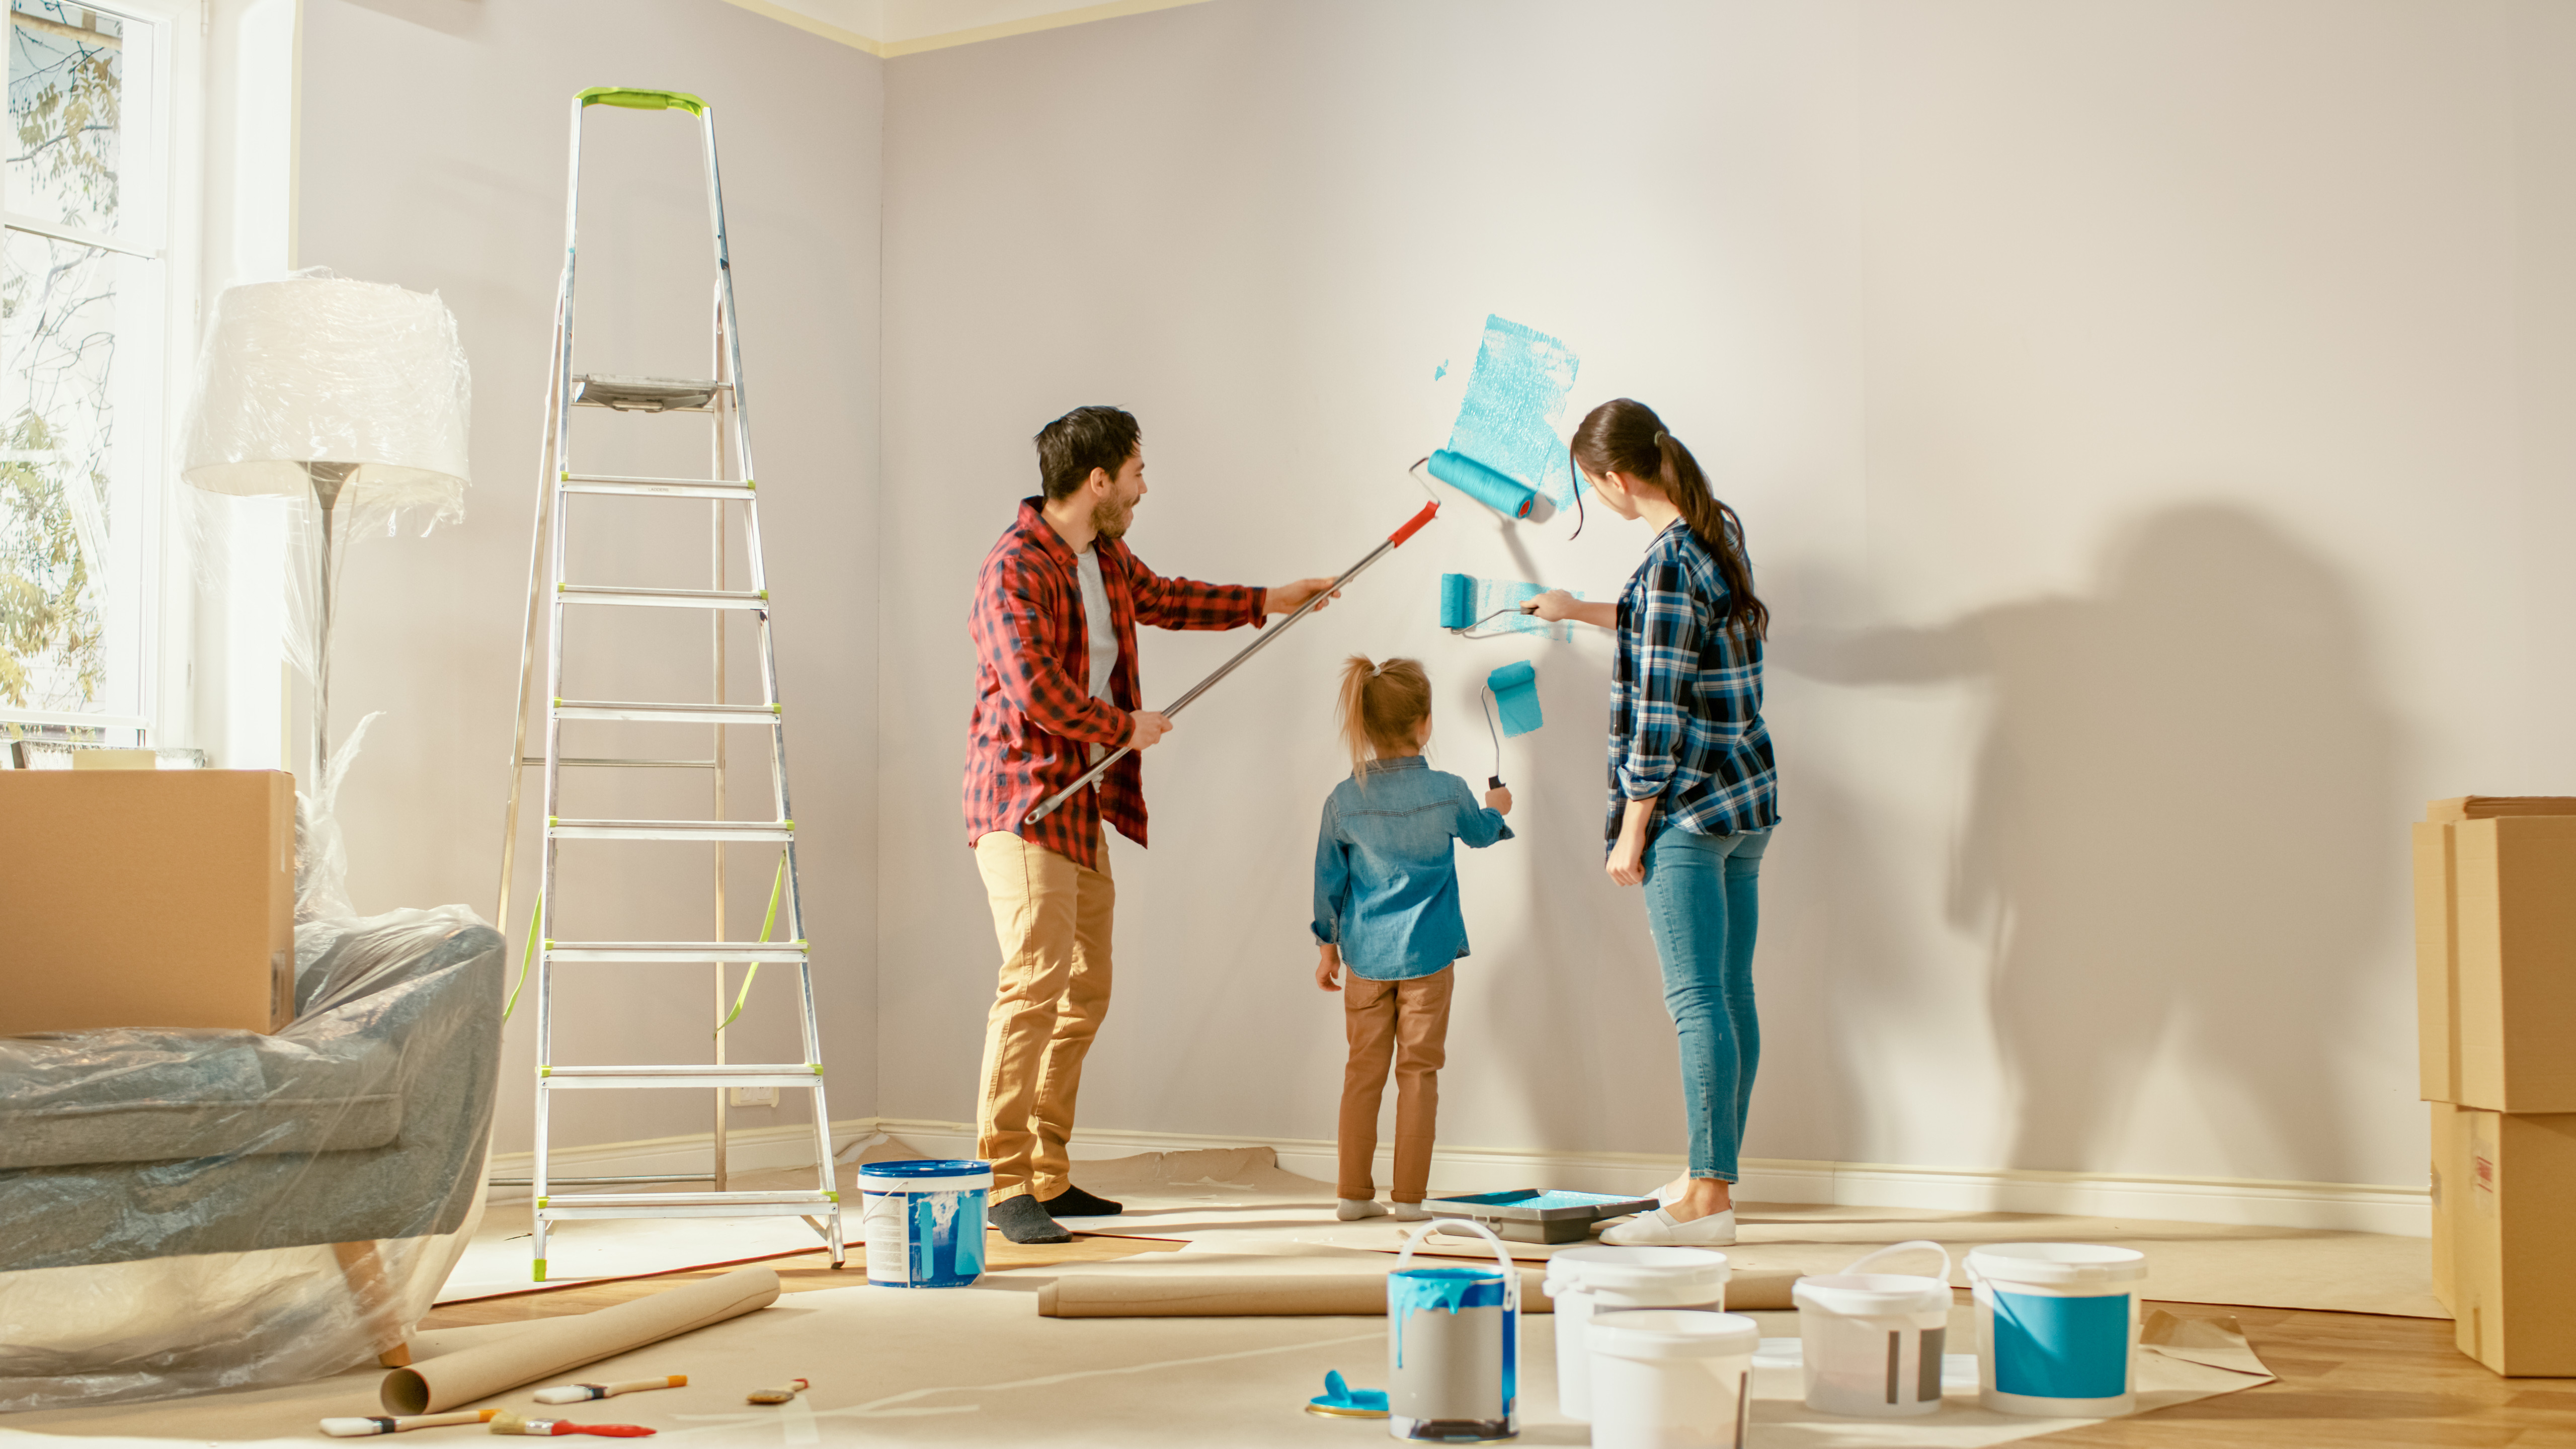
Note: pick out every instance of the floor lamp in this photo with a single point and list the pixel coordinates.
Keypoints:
(353, 394)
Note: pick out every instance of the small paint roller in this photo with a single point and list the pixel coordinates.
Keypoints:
(578, 1393)
(1500, 492)
(402, 1423)
(1515, 688)
(1269, 636)
(1457, 601)
(778, 1395)
(506, 1422)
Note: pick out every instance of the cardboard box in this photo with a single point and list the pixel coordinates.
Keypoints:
(2514, 1243)
(2495, 953)
(147, 898)
(2450, 1161)
(2513, 905)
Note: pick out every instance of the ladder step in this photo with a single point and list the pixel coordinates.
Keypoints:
(642, 951)
(525, 761)
(763, 714)
(684, 1205)
(727, 830)
(630, 394)
(654, 487)
(720, 1074)
(662, 598)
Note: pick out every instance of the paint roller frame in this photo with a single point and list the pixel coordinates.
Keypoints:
(1501, 483)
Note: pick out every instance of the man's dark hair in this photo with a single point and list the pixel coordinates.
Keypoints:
(1084, 439)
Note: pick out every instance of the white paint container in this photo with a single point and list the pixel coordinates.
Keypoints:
(1585, 1281)
(1453, 1345)
(1871, 1342)
(924, 1222)
(1671, 1378)
(2057, 1328)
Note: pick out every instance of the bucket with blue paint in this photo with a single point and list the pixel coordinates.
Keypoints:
(2057, 1328)
(924, 1222)
(1453, 1345)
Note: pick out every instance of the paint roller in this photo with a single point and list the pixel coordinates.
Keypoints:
(1498, 491)
(1515, 686)
(1394, 541)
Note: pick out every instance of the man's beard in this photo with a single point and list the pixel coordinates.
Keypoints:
(1110, 520)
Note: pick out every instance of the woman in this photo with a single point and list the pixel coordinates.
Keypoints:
(1692, 797)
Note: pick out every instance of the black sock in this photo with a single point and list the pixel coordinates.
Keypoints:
(1073, 1202)
(1023, 1220)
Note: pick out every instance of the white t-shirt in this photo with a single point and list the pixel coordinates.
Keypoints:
(1104, 635)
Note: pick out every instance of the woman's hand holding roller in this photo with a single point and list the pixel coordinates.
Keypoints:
(1557, 604)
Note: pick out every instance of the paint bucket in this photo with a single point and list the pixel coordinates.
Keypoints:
(1585, 1281)
(924, 1222)
(1671, 1378)
(1872, 1342)
(1453, 1345)
(2057, 1328)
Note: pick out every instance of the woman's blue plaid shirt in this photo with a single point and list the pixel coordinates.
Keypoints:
(1686, 699)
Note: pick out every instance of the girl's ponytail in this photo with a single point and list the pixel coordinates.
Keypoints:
(1382, 709)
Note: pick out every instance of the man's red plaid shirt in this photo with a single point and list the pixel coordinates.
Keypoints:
(1034, 716)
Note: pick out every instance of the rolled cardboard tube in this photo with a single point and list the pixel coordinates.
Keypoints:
(1757, 1290)
(554, 1345)
(1233, 1295)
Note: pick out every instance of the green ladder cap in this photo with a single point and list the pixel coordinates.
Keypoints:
(541, 1202)
(545, 1071)
(642, 100)
(550, 944)
(817, 1066)
(750, 487)
(764, 593)
(834, 1196)
(541, 1270)
(773, 709)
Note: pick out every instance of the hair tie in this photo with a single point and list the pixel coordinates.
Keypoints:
(1662, 437)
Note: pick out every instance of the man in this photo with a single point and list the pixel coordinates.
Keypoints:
(1054, 622)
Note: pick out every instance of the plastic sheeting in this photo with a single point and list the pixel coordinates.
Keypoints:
(186, 1211)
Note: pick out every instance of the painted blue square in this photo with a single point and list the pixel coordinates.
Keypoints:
(2062, 1348)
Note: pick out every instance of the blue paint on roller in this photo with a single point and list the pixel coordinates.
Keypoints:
(1504, 495)
(1507, 422)
(1515, 688)
(1457, 601)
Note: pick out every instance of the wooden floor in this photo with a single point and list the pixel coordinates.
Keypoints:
(2345, 1378)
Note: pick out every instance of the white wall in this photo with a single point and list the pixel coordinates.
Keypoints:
(2148, 417)
(433, 155)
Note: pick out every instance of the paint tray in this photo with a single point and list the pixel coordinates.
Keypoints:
(1535, 1216)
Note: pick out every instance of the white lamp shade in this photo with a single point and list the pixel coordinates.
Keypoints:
(325, 369)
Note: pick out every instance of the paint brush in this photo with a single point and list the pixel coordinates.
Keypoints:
(509, 1423)
(778, 1395)
(389, 1424)
(579, 1393)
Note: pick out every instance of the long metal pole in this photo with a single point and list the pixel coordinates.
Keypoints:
(1395, 540)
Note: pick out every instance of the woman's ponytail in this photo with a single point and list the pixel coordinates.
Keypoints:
(1624, 436)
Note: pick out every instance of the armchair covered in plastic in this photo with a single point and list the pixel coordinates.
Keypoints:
(183, 1211)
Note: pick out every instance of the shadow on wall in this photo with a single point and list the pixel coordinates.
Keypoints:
(2175, 841)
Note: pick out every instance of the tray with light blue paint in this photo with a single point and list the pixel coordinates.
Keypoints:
(1532, 1215)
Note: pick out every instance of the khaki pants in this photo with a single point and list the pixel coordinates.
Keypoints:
(1406, 1022)
(1053, 920)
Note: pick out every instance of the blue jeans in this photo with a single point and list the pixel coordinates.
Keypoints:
(1702, 899)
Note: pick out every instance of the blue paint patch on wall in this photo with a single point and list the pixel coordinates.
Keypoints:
(1515, 396)
(1441, 371)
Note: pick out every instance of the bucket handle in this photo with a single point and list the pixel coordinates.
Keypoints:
(1925, 1244)
(1502, 1256)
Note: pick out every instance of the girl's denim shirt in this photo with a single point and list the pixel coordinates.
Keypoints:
(1386, 879)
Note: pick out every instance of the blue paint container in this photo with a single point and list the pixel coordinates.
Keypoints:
(2057, 1328)
(1453, 1346)
(924, 1222)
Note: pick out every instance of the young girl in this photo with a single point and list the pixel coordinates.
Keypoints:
(1386, 907)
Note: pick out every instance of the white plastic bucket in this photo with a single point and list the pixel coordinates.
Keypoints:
(1585, 1281)
(1453, 1344)
(1671, 1378)
(924, 1222)
(1872, 1342)
(2057, 1328)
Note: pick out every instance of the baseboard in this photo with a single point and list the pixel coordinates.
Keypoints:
(2348, 1207)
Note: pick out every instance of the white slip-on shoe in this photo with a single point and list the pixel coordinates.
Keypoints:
(1658, 1230)
(1352, 1209)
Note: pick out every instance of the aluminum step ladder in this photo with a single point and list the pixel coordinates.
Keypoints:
(730, 491)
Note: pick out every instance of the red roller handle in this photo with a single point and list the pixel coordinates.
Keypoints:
(1397, 538)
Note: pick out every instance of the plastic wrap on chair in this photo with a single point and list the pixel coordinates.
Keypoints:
(184, 1211)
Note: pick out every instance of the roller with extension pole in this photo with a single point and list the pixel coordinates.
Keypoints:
(1394, 541)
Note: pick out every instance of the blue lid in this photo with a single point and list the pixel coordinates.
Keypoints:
(926, 1167)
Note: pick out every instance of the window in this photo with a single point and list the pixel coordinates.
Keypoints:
(83, 338)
